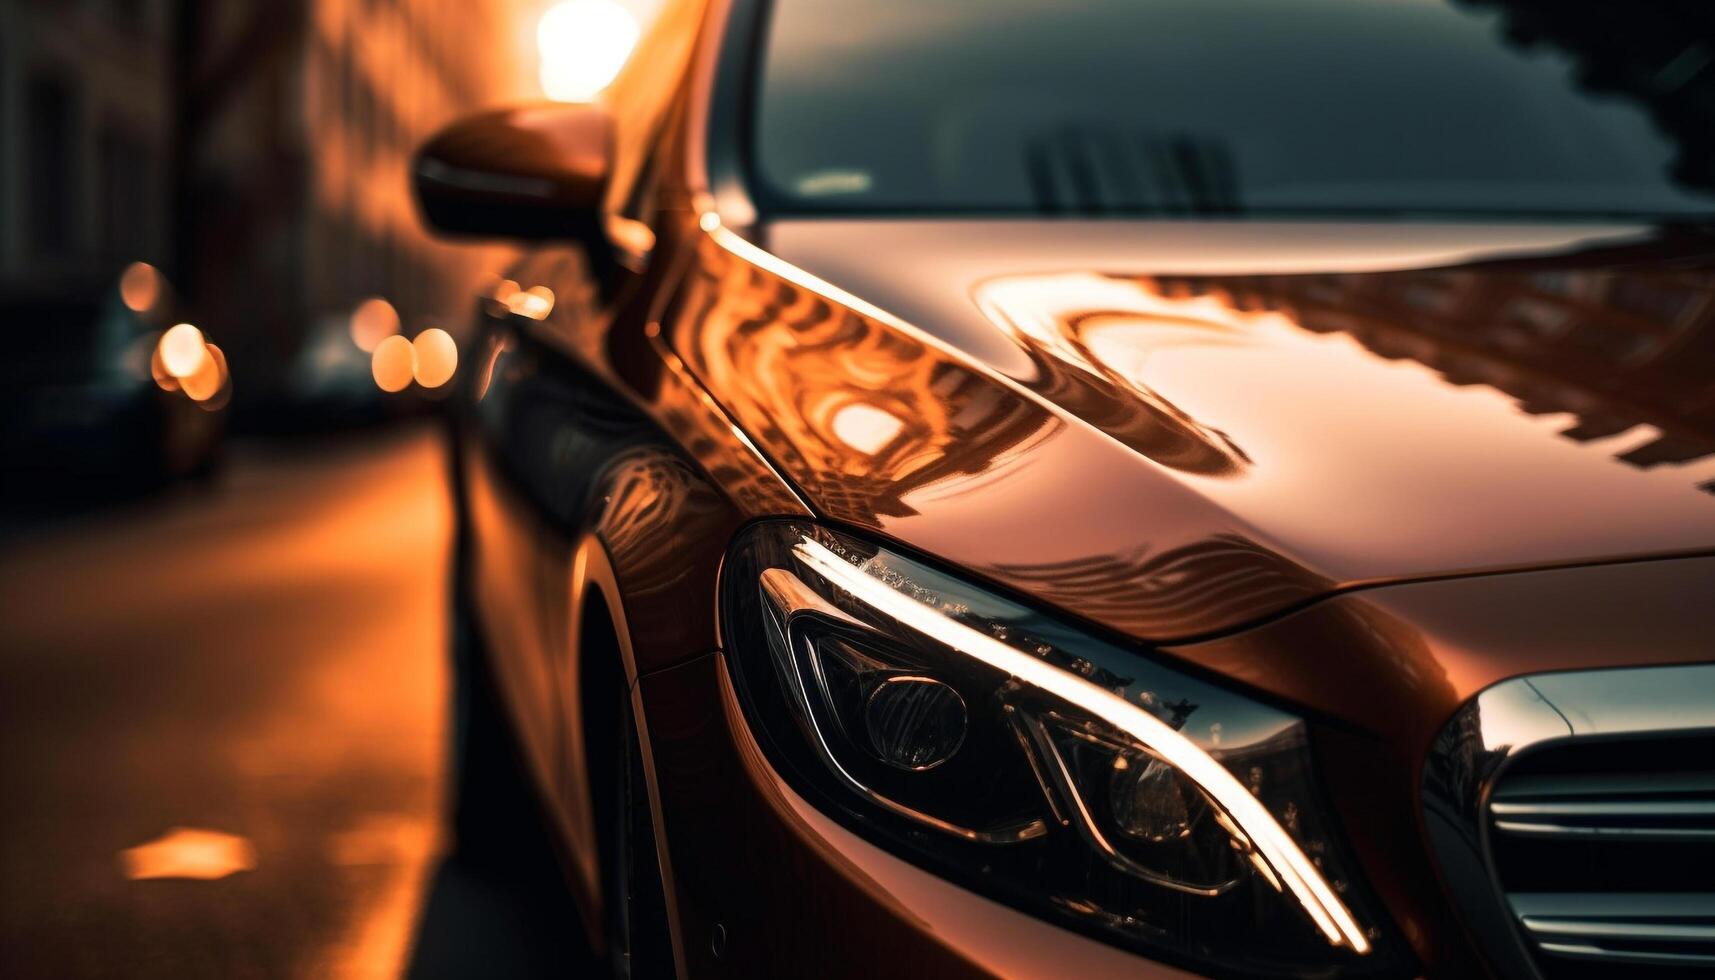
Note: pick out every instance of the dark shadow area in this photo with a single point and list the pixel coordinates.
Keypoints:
(502, 915)
(499, 904)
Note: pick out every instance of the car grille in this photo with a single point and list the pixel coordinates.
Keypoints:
(1606, 855)
(1573, 815)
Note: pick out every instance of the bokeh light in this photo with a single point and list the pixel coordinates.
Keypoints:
(158, 370)
(373, 321)
(183, 350)
(583, 44)
(437, 357)
(535, 303)
(222, 394)
(208, 379)
(499, 299)
(393, 364)
(140, 287)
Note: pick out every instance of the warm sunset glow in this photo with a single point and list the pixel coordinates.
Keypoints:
(140, 287)
(583, 44)
(437, 357)
(373, 321)
(182, 350)
(208, 379)
(188, 852)
(393, 363)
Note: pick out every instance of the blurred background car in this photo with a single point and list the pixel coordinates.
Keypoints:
(91, 409)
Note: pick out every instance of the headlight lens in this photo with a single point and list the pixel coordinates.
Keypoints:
(1037, 763)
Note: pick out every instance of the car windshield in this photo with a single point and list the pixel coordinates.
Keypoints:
(1398, 108)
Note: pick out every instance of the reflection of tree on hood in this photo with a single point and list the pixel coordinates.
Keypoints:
(1659, 54)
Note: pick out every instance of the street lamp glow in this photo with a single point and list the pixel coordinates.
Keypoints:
(373, 321)
(209, 378)
(140, 287)
(583, 44)
(182, 350)
(393, 363)
(437, 357)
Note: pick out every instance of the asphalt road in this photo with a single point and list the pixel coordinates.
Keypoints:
(222, 723)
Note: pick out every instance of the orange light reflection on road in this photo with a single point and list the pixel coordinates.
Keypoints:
(399, 849)
(329, 729)
(189, 852)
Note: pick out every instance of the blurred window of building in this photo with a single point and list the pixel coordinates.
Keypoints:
(51, 166)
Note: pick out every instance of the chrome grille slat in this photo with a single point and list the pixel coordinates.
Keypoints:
(1620, 930)
(1670, 928)
(1576, 832)
(1585, 802)
(1641, 808)
(1620, 807)
(1584, 785)
(1621, 956)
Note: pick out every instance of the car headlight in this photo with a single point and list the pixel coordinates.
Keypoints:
(1038, 763)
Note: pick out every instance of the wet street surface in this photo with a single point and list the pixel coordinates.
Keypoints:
(222, 724)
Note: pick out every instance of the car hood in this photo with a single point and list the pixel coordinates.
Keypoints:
(1179, 428)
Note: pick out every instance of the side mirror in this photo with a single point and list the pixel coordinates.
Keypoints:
(537, 173)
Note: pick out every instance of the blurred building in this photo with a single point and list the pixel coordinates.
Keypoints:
(298, 122)
(86, 110)
(256, 150)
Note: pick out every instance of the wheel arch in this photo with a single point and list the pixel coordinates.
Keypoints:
(603, 667)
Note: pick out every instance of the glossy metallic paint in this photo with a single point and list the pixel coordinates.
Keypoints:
(1125, 462)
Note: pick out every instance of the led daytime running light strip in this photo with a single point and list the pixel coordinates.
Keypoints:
(1283, 855)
